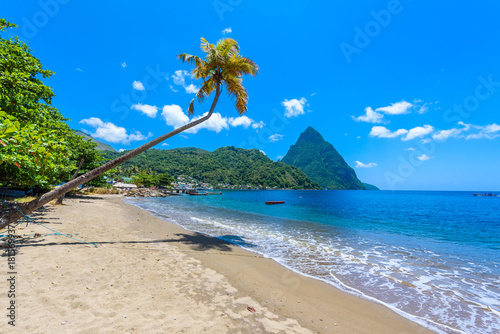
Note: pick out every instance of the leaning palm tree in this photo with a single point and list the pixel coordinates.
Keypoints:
(222, 67)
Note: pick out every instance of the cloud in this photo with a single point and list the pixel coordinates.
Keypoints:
(112, 133)
(383, 132)
(279, 157)
(121, 150)
(165, 144)
(294, 107)
(173, 89)
(424, 157)
(180, 77)
(137, 85)
(78, 69)
(490, 131)
(445, 134)
(227, 31)
(418, 132)
(146, 109)
(243, 121)
(258, 125)
(370, 116)
(275, 137)
(410, 149)
(314, 94)
(124, 64)
(359, 164)
(174, 116)
(215, 123)
(192, 89)
(261, 151)
(398, 108)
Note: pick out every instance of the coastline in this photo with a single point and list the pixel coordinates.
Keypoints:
(151, 275)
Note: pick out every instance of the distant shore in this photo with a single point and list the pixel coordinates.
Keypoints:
(148, 275)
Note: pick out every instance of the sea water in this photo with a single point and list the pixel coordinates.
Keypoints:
(433, 257)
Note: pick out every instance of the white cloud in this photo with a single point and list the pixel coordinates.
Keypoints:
(398, 108)
(192, 89)
(78, 69)
(215, 123)
(124, 64)
(165, 144)
(263, 152)
(314, 94)
(445, 134)
(173, 89)
(370, 116)
(359, 164)
(424, 157)
(121, 150)
(490, 131)
(112, 133)
(180, 77)
(275, 137)
(418, 132)
(243, 121)
(279, 157)
(146, 109)
(227, 31)
(174, 116)
(137, 85)
(383, 132)
(294, 107)
(410, 149)
(258, 125)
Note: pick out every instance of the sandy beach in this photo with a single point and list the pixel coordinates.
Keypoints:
(151, 276)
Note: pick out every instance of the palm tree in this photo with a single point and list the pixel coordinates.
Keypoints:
(223, 66)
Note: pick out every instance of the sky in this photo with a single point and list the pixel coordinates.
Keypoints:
(408, 91)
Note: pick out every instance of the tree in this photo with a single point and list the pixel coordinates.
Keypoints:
(34, 149)
(223, 66)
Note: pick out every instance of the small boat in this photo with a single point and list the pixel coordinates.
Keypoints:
(196, 193)
(487, 195)
(275, 202)
(212, 193)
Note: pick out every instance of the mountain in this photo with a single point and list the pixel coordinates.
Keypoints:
(226, 165)
(100, 145)
(370, 186)
(321, 162)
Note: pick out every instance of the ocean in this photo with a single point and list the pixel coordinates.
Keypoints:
(433, 257)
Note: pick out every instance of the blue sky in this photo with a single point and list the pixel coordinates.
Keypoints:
(407, 91)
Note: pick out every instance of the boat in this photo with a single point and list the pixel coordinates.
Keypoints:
(196, 193)
(487, 195)
(275, 202)
(212, 193)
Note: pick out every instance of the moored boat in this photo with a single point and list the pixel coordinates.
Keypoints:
(275, 202)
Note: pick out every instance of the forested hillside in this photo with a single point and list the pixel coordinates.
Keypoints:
(226, 165)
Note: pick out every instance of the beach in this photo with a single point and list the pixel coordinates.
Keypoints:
(151, 276)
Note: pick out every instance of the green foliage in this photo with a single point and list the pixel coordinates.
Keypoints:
(152, 179)
(226, 165)
(37, 148)
(321, 162)
(369, 186)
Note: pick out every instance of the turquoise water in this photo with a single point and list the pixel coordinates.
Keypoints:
(433, 257)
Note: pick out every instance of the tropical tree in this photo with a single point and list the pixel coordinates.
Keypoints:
(222, 67)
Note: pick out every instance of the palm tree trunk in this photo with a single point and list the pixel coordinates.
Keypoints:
(61, 198)
(27, 208)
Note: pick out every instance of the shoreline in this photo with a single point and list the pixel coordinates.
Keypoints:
(208, 283)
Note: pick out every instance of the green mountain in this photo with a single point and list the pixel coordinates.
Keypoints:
(226, 165)
(369, 186)
(100, 145)
(321, 162)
